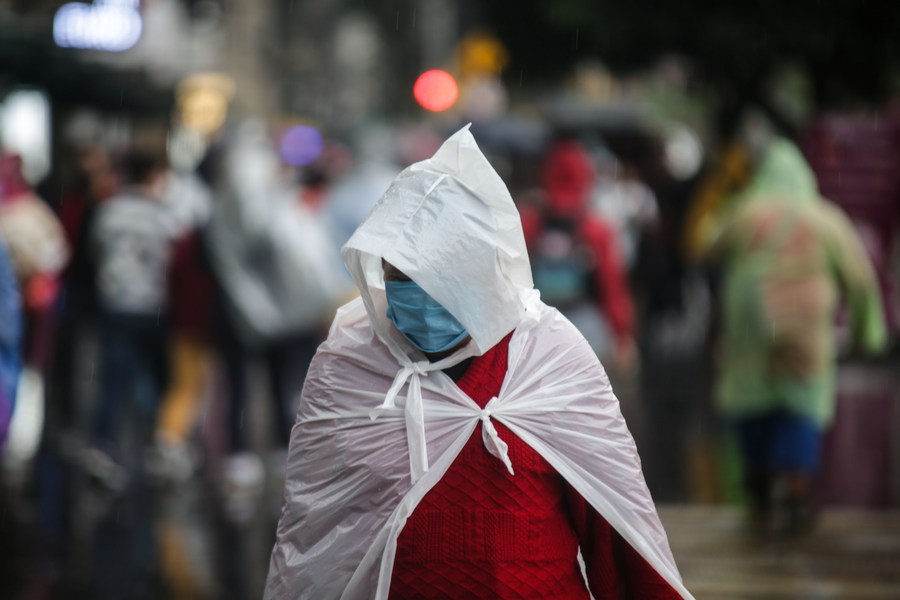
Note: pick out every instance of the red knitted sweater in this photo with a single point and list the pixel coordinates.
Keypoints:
(482, 533)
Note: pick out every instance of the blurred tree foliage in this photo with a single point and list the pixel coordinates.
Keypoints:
(850, 49)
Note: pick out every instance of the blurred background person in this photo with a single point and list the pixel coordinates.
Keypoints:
(575, 257)
(787, 256)
(629, 206)
(14, 563)
(95, 181)
(191, 350)
(34, 243)
(64, 437)
(131, 243)
(674, 316)
(279, 280)
(38, 249)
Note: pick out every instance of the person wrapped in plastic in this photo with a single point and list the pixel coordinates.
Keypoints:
(789, 256)
(456, 437)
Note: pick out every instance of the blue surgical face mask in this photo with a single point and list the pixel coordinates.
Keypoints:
(426, 324)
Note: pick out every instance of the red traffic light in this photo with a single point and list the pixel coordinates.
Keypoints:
(436, 90)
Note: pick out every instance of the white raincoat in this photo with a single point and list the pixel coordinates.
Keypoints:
(379, 424)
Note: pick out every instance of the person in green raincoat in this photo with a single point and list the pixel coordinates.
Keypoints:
(788, 255)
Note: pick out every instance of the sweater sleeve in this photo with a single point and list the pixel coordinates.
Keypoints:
(613, 568)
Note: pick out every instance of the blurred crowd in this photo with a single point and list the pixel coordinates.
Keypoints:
(163, 319)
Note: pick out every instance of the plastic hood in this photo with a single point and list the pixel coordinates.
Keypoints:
(450, 224)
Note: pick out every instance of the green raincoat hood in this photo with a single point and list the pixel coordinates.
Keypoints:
(783, 172)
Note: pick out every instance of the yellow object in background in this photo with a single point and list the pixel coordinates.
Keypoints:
(730, 172)
(191, 366)
(481, 54)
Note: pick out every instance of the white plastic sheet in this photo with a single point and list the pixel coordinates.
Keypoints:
(379, 425)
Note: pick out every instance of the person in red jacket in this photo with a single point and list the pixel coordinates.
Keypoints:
(576, 262)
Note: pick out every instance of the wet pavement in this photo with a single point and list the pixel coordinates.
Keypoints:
(185, 541)
(852, 555)
(209, 538)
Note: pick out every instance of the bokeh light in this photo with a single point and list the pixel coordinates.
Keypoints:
(112, 26)
(301, 145)
(436, 90)
(203, 101)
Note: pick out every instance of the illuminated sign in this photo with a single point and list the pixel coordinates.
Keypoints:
(109, 25)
